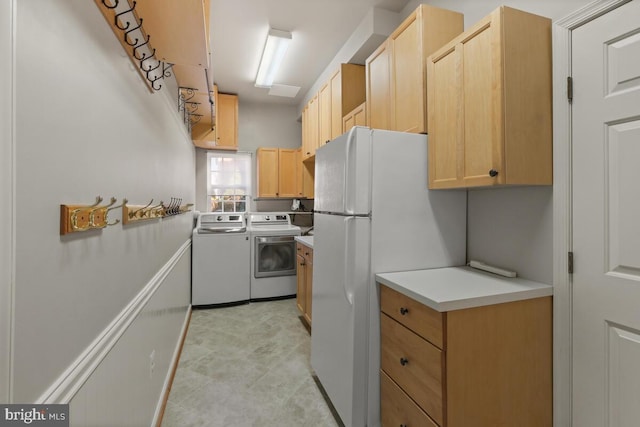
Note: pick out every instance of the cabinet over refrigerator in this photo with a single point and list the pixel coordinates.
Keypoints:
(373, 214)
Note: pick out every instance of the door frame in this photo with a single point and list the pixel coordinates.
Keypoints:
(7, 194)
(562, 206)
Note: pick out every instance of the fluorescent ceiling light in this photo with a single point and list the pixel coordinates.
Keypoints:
(274, 50)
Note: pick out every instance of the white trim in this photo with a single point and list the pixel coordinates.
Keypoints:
(7, 193)
(562, 201)
(72, 379)
(172, 367)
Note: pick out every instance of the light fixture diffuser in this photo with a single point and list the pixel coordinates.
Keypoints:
(272, 56)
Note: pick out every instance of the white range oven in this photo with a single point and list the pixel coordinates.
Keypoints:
(273, 255)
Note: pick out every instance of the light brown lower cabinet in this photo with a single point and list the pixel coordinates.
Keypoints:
(304, 256)
(482, 366)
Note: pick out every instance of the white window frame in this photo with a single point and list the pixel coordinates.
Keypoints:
(245, 187)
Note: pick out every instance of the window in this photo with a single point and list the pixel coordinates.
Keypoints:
(229, 181)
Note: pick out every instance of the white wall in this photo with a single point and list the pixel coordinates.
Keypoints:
(6, 194)
(86, 125)
(258, 126)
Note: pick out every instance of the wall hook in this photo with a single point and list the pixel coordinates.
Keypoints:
(124, 202)
(153, 83)
(118, 15)
(115, 4)
(149, 69)
(98, 215)
(126, 35)
(144, 54)
(166, 70)
(82, 224)
(134, 214)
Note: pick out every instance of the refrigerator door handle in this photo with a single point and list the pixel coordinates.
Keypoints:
(347, 168)
(348, 293)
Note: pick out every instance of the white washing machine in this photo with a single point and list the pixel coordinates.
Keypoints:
(220, 263)
(273, 255)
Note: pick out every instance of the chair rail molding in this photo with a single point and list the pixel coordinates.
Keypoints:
(7, 174)
(562, 200)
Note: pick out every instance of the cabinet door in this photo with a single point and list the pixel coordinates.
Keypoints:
(445, 118)
(348, 122)
(299, 174)
(287, 173)
(324, 115)
(309, 284)
(301, 281)
(227, 120)
(407, 86)
(336, 105)
(267, 166)
(360, 115)
(305, 129)
(378, 91)
(483, 138)
(313, 130)
(356, 117)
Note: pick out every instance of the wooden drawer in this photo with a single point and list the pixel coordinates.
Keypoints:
(397, 409)
(422, 320)
(414, 364)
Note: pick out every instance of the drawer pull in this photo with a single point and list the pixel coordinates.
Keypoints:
(403, 310)
(403, 361)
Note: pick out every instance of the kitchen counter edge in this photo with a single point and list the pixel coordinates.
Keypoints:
(305, 240)
(457, 288)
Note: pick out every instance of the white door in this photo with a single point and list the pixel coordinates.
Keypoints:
(606, 219)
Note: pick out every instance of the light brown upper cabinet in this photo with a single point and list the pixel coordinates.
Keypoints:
(379, 88)
(311, 128)
(355, 117)
(179, 30)
(322, 116)
(347, 92)
(277, 172)
(227, 122)
(489, 93)
(396, 73)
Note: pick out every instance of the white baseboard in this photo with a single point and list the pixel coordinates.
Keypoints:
(172, 370)
(73, 378)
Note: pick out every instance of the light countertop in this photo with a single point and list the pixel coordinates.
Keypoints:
(455, 288)
(305, 240)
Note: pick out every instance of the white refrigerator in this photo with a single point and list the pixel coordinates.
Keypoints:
(373, 214)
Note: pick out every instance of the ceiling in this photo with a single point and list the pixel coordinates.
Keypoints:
(319, 29)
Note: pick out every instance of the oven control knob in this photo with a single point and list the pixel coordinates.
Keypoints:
(219, 218)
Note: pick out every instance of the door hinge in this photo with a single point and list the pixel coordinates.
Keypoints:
(570, 89)
(570, 262)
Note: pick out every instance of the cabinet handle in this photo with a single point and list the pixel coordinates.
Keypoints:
(308, 152)
(493, 173)
(403, 361)
(403, 310)
(403, 425)
(277, 194)
(306, 253)
(327, 141)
